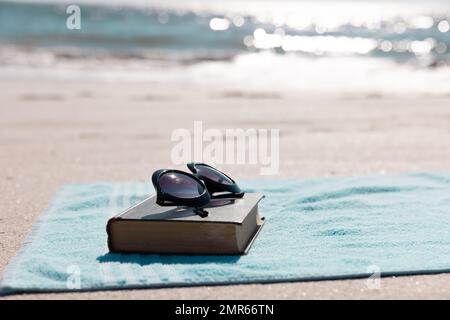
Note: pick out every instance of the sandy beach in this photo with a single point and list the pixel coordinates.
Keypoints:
(54, 132)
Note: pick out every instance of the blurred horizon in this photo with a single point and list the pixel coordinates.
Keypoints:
(324, 45)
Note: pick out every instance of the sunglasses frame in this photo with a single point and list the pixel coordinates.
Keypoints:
(227, 191)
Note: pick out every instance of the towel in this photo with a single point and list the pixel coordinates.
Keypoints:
(319, 228)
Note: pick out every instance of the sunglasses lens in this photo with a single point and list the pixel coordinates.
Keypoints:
(180, 185)
(213, 174)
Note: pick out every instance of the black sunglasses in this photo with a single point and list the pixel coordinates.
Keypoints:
(196, 189)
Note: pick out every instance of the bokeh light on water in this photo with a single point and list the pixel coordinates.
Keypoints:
(147, 36)
(398, 30)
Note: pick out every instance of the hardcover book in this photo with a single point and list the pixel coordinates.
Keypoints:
(230, 228)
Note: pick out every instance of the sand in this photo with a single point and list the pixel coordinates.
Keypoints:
(58, 132)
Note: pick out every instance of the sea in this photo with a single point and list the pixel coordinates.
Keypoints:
(397, 46)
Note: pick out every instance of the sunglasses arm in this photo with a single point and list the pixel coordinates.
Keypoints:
(165, 203)
(200, 211)
(228, 196)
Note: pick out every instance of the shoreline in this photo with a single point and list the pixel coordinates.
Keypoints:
(345, 76)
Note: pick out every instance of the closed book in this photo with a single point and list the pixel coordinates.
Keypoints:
(230, 227)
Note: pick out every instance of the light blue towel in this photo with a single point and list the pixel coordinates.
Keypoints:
(324, 228)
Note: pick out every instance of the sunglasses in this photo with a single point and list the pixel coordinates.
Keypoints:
(196, 189)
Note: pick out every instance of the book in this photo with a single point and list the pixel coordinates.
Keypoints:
(230, 228)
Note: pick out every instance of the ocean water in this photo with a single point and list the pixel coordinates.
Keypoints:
(301, 45)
